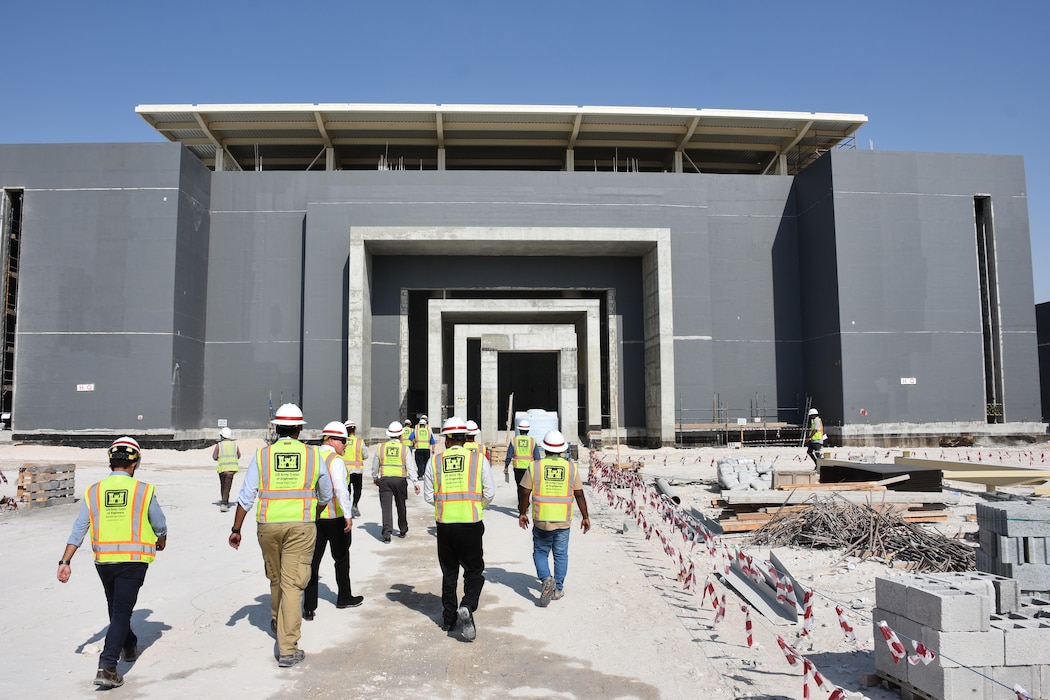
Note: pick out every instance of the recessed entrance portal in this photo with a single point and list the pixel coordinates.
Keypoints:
(532, 377)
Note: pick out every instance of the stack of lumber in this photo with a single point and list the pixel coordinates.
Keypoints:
(744, 511)
(41, 485)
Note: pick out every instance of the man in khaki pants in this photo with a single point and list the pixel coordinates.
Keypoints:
(291, 483)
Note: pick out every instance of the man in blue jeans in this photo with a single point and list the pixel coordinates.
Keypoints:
(553, 484)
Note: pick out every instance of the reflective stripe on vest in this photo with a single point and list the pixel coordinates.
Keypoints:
(332, 510)
(227, 456)
(288, 473)
(354, 457)
(552, 496)
(524, 447)
(118, 511)
(422, 437)
(458, 490)
(406, 436)
(392, 459)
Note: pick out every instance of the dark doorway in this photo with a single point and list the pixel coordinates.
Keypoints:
(474, 380)
(532, 377)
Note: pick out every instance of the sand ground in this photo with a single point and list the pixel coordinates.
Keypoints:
(626, 627)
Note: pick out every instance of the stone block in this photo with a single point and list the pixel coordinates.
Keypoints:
(1034, 578)
(966, 648)
(1026, 641)
(948, 609)
(957, 683)
(906, 630)
(1035, 550)
(891, 594)
(990, 518)
(1003, 592)
(1009, 549)
(989, 542)
(1024, 520)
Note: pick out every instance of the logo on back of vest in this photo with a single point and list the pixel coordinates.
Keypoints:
(554, 473)
(116, 499)
(393, 451)
(453, 464)
(287, 463)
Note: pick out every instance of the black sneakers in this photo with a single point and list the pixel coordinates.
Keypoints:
(290, 659)
(470, 632)
(308, 615)
(130, 654)
(351, 602)
(108, 678)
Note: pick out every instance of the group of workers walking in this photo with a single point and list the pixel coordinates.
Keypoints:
(302, 498)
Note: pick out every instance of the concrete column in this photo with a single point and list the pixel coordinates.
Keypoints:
(441, 159)
(782, 164)
(570, 160)
(329, 158)
(220, 159)
(678, 161)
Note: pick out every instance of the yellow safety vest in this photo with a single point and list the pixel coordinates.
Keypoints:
(118, 510)
(552, 496)
(288, 473)
(406, 436)
(354, 456)
(393, 459)
(478, 447)
(332, 510)
(816, 430)
(422, 437)
(524, 448)
(227, 456)
(458, 488)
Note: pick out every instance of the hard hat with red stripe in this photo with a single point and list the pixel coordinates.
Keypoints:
(554, 441)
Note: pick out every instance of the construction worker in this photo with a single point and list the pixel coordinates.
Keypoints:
(127, 530)
(391, 472)
(552, 484)
(227, 454)
(354, 458)
(332, 529)
(521, 452)
(423, 443)
(815, 436)
(459, 484)
(472, 439)
(291, 482)
(406, 435)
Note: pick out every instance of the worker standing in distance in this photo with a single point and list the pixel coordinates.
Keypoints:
(354, 457)
(291, 483)
(406, 436)
(521, 452)
(127, 530)
(815, 436)
(552, 484)
(227, 454)
(391, 472)
(472, 439)
(459, 484)
(334, 526)
(423, 442)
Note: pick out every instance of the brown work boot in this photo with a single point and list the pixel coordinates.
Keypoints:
(558, 594)
(108, 678)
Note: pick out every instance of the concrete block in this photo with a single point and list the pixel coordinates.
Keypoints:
(948, 609)
(1029, 677)
(989, 542)
(1003, 592)
(989, 518)
(891, 594)
(986, 563)
(1007, 594)
(1035, 550)
(1024, 520)
(957, 683)
(1009, 549)
(1026, 642)
(906, 630)
(966, 648)
(1033, 578)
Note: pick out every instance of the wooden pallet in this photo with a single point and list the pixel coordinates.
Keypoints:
(42, 485)
(907, 690)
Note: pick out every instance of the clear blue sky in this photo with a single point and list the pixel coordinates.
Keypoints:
(943, 76)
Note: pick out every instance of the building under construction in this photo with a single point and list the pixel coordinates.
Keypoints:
(650, 274)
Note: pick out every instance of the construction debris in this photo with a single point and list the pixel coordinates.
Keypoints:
(869, 533)
(46, 484)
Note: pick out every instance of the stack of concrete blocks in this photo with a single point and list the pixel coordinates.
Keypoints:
(1015, 542)
(744, 474)
(986, 636)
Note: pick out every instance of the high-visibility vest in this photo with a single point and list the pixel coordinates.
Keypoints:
(227, 456)
(422, 437)
(524, 448)
(552, 495)
(332, 510)
(406, 436)
(354, 456)
(118, 510)
(458, 488)
(472, 445)
(288, 473)
(816, 429)
(392, 459)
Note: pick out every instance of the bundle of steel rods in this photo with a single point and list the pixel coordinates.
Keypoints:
(863, 531)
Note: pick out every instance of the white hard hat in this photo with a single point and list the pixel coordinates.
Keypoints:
(454, 425)
(813, 412)
(423, 418)
(288, 414)
(408, 422)
(334, 429)
(226, 434)
(393, 430)
(472, 428)
(349, 424)
(125, 448)
(524, 425)
(554, 441)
